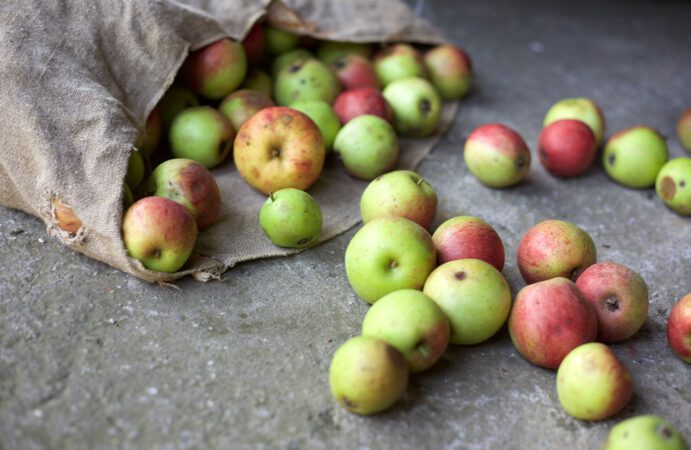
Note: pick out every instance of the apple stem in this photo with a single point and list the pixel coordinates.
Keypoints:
(271, 196)
(420, 181)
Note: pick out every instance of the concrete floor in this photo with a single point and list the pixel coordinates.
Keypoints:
(91, 358)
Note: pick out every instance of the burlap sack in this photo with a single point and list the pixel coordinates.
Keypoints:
(79, 77)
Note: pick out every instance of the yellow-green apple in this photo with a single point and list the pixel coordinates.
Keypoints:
(239, 106)
(354, 71)
(360, 101)
(367, 146)
(330, 51)
(549, 319)
(253, 43)
(216, 70)
(135, 170)
(645, 432)
(634, 156)
(465, 237)
(620, 299)
(277, 41)
(566, 147)
(496, 155)
(679, 329)
(190, 184)
(416, 106)
(367, 375)
(450, 71)
(306, 79)
(160, 233)
(402, 193)
(398, 61)
(176, 99)
(278, 148)
(474, 296)
(152, 132)
(258, 80)
(592, 383)
(291, 218)
(324, 116)
(578, 108)
(388, 254)
(410, 321)
(684, 129)
(673, 185)
(203, 134)
(288, 59)
(555, 248)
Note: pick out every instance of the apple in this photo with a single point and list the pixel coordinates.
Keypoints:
(450, 71)
(567, 148)
(673, 185)
(619, 297)
(291, 218)
(496, 155)
(465, 237)
(474, 296)
(258, 80)
(388, 254)
(410, 321)
(684, 129)
(592, 383)
(330, 51)
(190, 184)
(679, 329)
(278, 148)
(277, 41)
(402, 193)
(160, 233)
(152, 132)
(555, 248)
(216, 70)
(324, 116)
(127, 200)
(65, 217)
(203, 134)
(367, 375)
(354, 71)
(360, 101)
(288, 59)
(578, 108)
(176, 99)
(367, 146)
(549, 319)
(646, 432)
(306, 79)
(239, 106)
(634, 156)
(416, 106)
(398, 61)
(253, 43)
(135, 170)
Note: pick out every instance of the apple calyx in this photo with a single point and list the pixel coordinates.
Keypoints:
(425, 106)
(612, 303)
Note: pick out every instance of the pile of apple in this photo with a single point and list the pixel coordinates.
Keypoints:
(428, 291)
(281, 104)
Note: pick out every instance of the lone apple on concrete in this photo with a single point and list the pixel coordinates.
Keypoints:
(634, 156)
(291, 218)
(567, 148)
(645, 432)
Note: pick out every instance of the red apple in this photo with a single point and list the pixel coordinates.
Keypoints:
(239, 106)
(468, 237)
(279, 147)
(354, 71)
(254, 44)
(216, 70)
(620, 299)
(567, 147)
(549, 319)
(679, 329)
(362, 101)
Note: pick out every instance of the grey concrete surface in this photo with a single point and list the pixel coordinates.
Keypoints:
(91, 358)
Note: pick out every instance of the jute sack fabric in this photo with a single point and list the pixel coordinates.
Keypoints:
(79, 77)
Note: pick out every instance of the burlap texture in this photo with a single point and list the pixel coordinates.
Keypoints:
(78, 79)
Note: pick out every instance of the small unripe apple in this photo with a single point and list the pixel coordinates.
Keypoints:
(567, 147)
(202, 134)
(216, 70)
(367, 146)
(634, 156)
(646, 432)
(679, 329)
(684, 129)
(578, 108)
(465, 237)
(673, 185)
(153, 131)
(398, 61)
(277, 41)
(416, 106)
(450, 71)
(291, 218)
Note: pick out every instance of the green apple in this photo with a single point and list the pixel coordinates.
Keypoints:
(450, 71)
(474, 296)
(673, 185)
(401, 193)
(152, 132)
(416, 106)
(324, 116)
(367, 375)
(127, 197)
(398, 61)
(367, 146)
(176, 99)
(277, 41)
(239, 106)
(330, 51)
(288, 59)
(160, 233)
(388, 254)
(634, 156)
(202, 134)
(258, 80)
(592, 383)
(306, 79)
(291, 218)
(135, 170)
(578, 108)
(216, 70)
(646, 432)
(410, 321)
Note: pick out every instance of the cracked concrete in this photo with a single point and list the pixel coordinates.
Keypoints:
(91, 358)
